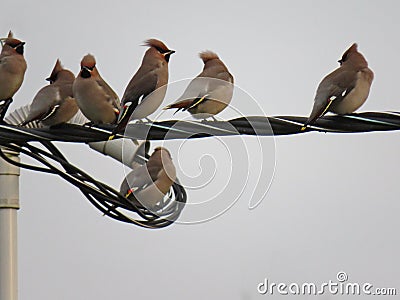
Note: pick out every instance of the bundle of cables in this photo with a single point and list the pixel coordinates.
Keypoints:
(52, 161)
(111, 202)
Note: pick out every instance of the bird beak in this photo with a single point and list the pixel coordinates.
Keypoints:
(169, 52)
(90, 69)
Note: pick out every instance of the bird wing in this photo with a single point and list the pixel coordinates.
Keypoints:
(139, 87)
(136, 178)
(53, 110)
(195, 92)
(44, 104)
(140, 177)
(201, 88)
(212, 79)
(65, 90)
(334, 87)
(112, 96)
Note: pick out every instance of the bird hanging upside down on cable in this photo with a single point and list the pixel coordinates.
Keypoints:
(150, 182)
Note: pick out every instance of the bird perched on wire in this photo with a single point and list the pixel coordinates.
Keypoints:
(12, 70)
(54, 104)
(150, 182)
(210, 92)
(344, 90)
(95, 98)
(146, 90)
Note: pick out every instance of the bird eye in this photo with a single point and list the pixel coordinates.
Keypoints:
(52, 79)
(162, 51)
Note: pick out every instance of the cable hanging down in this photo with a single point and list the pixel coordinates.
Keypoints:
(109, 201)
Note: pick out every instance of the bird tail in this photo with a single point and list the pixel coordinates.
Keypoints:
(122, 120)
(180, 105)
(24, 123)
(320, 109)
(120, 126)
(309, 121)
(4, 107)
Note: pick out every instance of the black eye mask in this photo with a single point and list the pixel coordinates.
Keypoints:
(20, 48)
(167, 57)
(85, 73)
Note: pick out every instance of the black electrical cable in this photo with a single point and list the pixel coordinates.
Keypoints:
(175, 129)
(102, 196)
(111, 203)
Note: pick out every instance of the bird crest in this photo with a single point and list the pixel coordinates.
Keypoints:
(160, 46)
(88, 61)
(352, 49)
(57, 68)
(11, 41)
(208, 55)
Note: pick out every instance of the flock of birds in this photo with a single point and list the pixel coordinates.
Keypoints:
(342, 92)
(207, 95)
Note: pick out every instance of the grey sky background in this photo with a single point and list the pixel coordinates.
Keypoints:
(333, 204)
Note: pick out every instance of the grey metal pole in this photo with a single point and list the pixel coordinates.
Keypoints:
(9, 204)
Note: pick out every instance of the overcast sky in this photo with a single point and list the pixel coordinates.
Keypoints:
(333, 204)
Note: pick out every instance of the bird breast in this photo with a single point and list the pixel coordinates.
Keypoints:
(357, 96)
(12, 71)
(93, 101)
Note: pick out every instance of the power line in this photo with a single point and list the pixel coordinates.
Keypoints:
(111, 203)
